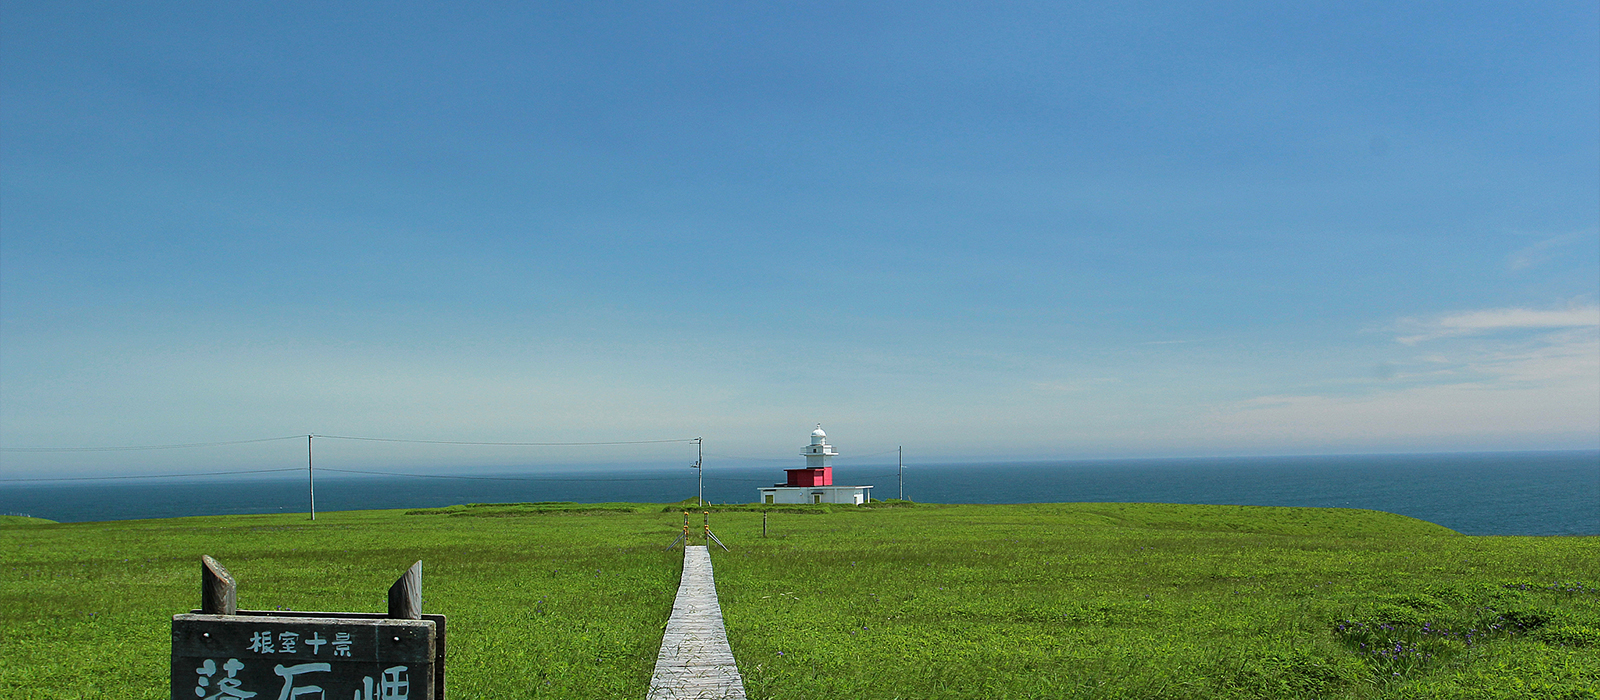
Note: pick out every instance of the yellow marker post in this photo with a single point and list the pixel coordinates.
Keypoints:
(712, 537)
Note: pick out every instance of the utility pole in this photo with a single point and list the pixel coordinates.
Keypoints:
(311, 481)
(902, 471)
(700, 472)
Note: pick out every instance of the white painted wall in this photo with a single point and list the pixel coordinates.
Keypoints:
(805, 494)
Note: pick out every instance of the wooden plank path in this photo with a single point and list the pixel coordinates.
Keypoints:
(695, 660)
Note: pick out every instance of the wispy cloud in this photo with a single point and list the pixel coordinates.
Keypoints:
(1543, 250)
(1536, 390)
(1175, 342)
(1491, 320)
(1528, 376)
(1074, 385)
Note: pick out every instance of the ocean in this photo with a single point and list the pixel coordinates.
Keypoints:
(1498, 493)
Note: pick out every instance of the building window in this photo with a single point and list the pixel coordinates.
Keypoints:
(769, 499)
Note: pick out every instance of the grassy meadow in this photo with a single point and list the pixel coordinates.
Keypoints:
(890, 601)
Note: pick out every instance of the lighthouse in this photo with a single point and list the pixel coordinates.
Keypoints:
(819, 453)
(813, 483)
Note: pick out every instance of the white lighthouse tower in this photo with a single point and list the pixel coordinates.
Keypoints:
(819, 453)
(813, 483)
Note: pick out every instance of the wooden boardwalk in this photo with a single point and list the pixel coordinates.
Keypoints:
(695, 660)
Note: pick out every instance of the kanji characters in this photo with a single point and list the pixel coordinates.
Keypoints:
(395, 685)
(341, 644)
(227, 687)
(290, 690)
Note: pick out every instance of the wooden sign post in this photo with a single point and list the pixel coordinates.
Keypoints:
(222, 653)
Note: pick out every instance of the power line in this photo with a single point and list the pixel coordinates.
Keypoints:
(492, 478)
(400, 474)
(790, 460)
(180, 446)
(506, 444)
(155, 476)
(354, 471)
(146, 447)
(406, 474)
(749, 459)
(870, 454)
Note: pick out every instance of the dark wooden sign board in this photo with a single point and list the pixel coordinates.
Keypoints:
(220, 654)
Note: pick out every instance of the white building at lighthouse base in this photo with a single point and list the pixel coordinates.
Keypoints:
(854, 495)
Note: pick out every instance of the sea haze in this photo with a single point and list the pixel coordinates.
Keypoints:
(1500, 493)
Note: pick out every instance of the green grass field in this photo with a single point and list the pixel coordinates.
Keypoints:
(1021, 601)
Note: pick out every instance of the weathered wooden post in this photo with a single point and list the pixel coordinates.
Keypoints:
(712, 536)
(763, 523)
(219, 651)
(684, 537)
(219, 595)
(405, 596)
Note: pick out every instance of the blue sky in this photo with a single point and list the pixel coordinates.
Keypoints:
(1019, 231)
